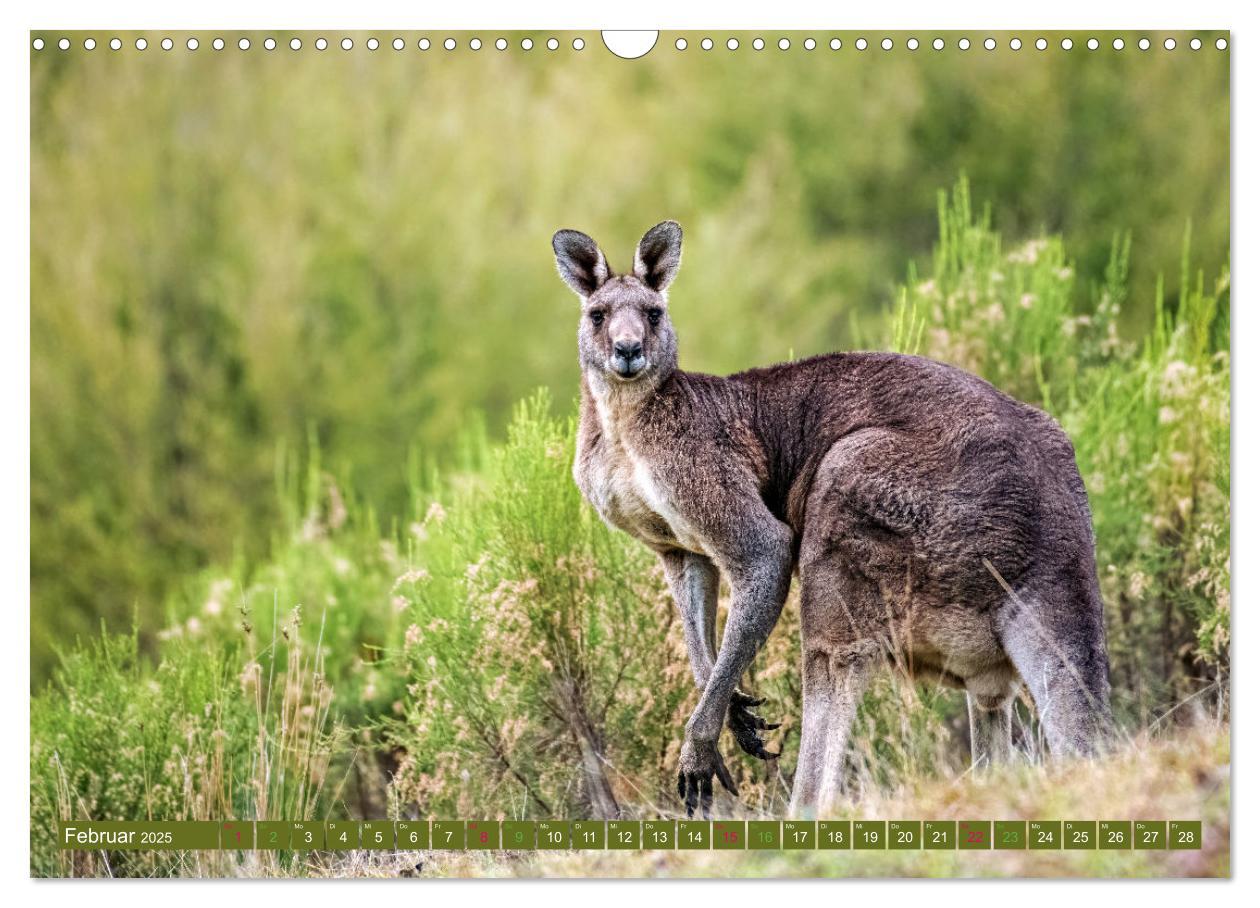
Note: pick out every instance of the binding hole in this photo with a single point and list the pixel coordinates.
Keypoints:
(630, 44)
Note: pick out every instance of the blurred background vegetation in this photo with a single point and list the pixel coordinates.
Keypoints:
(290, 317)
(236, 253)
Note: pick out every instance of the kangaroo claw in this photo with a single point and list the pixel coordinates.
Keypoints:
(745, 724)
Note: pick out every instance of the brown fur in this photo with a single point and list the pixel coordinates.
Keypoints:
(931, 519)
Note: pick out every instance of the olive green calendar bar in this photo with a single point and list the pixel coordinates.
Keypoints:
(636, 835)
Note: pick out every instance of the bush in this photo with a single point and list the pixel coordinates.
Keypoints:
(546, 667)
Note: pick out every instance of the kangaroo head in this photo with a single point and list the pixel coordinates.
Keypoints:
(625, 335)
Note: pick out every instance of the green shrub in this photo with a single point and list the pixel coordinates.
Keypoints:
(544, 657)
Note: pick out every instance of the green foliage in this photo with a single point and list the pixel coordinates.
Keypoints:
(231, 250)
(532, 691)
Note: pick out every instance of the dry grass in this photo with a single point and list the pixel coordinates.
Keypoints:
(1181, 777)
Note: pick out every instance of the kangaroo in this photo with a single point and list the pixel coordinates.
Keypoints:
(931, 520)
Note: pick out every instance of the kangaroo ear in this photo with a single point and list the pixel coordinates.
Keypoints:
(659, 254)
(580, 262)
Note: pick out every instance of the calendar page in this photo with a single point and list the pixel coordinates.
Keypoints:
(709, 453)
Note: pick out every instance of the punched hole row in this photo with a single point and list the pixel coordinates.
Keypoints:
(939, 44)
(319, 44)
(681, 44)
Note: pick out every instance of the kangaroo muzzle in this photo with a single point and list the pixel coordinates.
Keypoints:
(627, 359)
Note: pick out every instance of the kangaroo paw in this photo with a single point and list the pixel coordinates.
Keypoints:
(745, 725)
(699, 763)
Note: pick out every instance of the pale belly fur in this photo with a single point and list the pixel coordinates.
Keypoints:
(621, 487)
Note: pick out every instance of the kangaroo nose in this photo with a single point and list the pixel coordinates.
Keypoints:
(628, 350)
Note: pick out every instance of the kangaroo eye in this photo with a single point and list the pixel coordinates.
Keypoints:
(654, 317)
(597, 318)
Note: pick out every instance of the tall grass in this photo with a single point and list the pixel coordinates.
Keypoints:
(217, 730)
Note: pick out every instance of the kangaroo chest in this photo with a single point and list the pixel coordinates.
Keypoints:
(623, 488)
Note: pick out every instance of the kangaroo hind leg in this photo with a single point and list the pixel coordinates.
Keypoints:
(840, 654)
(1054, 636)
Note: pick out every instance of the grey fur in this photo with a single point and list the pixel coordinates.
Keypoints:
(932, 521)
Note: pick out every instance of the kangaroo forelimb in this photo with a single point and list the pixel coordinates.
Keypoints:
(759, 579)
(694, 579)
